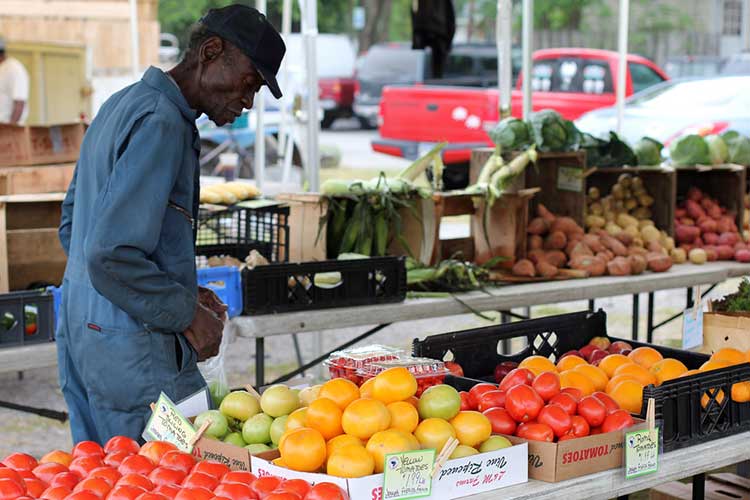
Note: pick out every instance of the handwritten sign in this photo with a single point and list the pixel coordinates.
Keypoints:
(570, 179)
(692, 326)
(641, 452)
(168, 424)
(408, 474)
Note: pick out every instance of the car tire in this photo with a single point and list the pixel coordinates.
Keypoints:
(366, 124)
(327, 121)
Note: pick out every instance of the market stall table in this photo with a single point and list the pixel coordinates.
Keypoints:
(678, 464)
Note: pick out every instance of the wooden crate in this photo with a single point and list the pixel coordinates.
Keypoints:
(30, 250)
(37, 145)
(29, 180)
(305, 211)
(560, 177)
(726, 183)
(660, 183)
(505, 234)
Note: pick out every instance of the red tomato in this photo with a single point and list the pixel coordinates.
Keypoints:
(178, 460)
(566, 401)
(523, 403)
(557, 418)
(122, 443)
(10, 490)
(595, 430)
(580, 427)
(35, 487)
(155, 450)
(7, 473)
(592, 410)
(20, 461)
(211, 468)
(166, 475)
(82, 466)
(125, 492)
(492, 399)
(239, 476)
(194, 494)
(475, 393)
(136, 480)
(65, 479)
(547, 385)
(58, 493)
(501, 421)
(150, 495)
(83, 495)
(95, 485)
(455, 368)
(168, 490)
(136, 464)
(116, 458)
(47, 471)
(265, 485)
(107, 473)
(200, 480)
(576, 393)
(609, 403)
(617, 420)
(298, 486)
(502, 369)
(515, 377)
(466, 403)
(235, 491)
(326, 491)
(536, 432)
(566, 437)
(88, 449)
(283, 495)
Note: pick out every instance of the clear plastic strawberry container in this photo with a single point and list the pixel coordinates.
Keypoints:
(428, 372)
(349, 362)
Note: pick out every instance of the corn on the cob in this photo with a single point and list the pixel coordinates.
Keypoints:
(327, 280)
(209, 196)
(227, 197)
(335, 187)
(381, 234)
(420, 165)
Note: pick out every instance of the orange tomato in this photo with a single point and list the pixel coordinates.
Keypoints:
(612, 362)
(629, 395)
(341, 391)
(713, 364)
(394, 384)
(595, 374)
(404, 416)
(303, 450)
(365, 417)
(324, 416)
(569, 362)
(365, 390)
(434, 433)
(667, 369)
(577, 380)
(340, 441)
(741, 392)
(472, 428)
(538, 364)
(351, 461)
(729, 355)
(616, 380)
(384, 442)
(645, 356)
(296, 419)
(637, 372)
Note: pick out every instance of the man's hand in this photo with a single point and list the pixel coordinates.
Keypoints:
(207, 298)
(205, 332)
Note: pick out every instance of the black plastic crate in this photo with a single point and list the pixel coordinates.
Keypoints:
(278, 288)
(26, 318)
(678, 402)
(238, 229)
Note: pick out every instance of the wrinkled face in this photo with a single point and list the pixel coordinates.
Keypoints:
(228, 81)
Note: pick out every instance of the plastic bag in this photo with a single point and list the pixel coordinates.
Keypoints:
(213, 370)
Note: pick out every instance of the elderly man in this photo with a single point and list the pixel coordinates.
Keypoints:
(132, 320)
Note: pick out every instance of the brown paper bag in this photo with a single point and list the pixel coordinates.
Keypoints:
(725, 330)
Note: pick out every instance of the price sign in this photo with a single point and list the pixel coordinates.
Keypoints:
(570, 179)
(168, 424)
(641, 452)
(692, 323)
(408, 475)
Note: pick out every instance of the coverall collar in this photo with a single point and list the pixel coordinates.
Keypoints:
(159, 80)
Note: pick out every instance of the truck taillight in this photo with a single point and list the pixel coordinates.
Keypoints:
(356, 88)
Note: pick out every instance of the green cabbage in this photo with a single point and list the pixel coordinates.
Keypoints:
(612, 153)
(551, 132)
(511, 134)
(717, 148)
(689, 150)
(738, 147)
(648, 151)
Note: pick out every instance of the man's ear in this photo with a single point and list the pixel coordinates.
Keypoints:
(211, 49)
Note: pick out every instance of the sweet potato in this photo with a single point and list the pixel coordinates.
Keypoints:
(555, 241)
(545, 214)
(593, 242)
(619, 266)
(708, 226)
(679, 255)
(658, 263)
(742, 255)
(536, 256)
(728, 238)
(615, 245)
(523, 267)
(535, 242)
(565, 225)
(686, 234)
(593, 265)
(638, 264)
(606, 257)
(579, 248)
(556, 257)
(694, 210)
(538, 226)
(710, 238)
(634, 250)
(545, 269)
(698, 256)
(725, 252)
(624, 238)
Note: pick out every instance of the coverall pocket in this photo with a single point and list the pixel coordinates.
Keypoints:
(176, 231)
(185, 355)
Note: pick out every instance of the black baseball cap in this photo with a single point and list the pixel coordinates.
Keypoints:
(250, 31)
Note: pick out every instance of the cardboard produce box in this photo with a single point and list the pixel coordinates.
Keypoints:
(458, 478)
(554, 462)
(39, 145)
(725, 330)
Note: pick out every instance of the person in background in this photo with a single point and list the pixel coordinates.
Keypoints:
(14, 89)
(133, 323)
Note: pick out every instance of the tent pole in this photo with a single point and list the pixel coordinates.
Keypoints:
(528, 40)
(134, 41)
(260, 127)
(622, 48)
(504, 68)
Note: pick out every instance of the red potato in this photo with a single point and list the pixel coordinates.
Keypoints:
(619, 266)
(523, 267)
(604, 256)
(728, 238)
(714, 212)
(556, 240)
(686, 221)
(680, 213)
(538, 226)
(694, 210)
(686, 234)
(638, 264)
(724, 225)
(740, 245)
(694, 194)
(556, 257)
(711, 253)
(658, 263)
(725, 252)
(536, 242)
(710, 238)
(707, 203)
(708, 226)
(656, 247)
(698, 242)
(742, 255)
(624, 238)
(687, 247)
(593, 265)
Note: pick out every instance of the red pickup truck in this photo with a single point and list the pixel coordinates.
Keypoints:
(572, 81)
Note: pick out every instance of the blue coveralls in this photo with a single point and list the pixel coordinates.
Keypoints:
(130, 284)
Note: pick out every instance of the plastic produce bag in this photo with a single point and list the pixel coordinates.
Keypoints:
(213, 369)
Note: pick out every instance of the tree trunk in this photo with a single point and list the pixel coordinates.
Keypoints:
(367, 36)
(470, 27)
(385, 21)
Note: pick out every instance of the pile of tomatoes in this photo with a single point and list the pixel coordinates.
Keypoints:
(123, 470)
(534, 407)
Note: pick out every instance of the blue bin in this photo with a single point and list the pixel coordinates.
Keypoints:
(226, 282)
